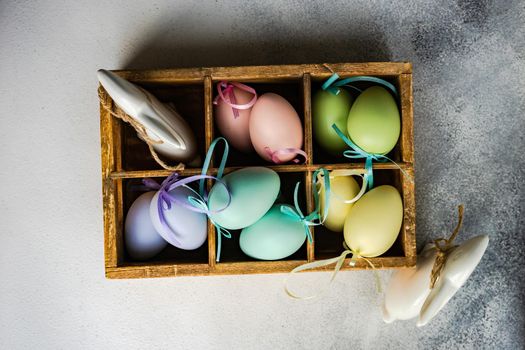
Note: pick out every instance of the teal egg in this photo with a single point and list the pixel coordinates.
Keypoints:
(329, 109)
(373, 122)
(275, 236)
(253, 192)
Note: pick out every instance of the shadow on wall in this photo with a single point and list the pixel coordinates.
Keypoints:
(176, 44)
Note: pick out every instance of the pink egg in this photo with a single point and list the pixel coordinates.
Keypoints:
(274, 126)
(235, 129)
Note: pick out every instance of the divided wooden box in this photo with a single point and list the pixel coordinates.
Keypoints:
(126, 160)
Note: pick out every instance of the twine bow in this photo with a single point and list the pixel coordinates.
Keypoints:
(444, 247)
(106, 104)
(226, 93)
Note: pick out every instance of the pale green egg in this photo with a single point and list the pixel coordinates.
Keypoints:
(329, 109)
(374, 221)
(253, 192)
(373, 122)
(275, 236)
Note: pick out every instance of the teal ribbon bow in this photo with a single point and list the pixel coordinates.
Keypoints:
(355, 152)
(199, 202)
(333, 85)
(314, 218)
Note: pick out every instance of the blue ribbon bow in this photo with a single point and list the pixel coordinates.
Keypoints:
(314, 218)
(200, 202)
(357, 153)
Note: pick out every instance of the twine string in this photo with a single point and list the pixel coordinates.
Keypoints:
(444, 247)
(139, 128)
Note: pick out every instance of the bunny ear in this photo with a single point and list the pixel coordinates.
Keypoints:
(129, 97)
(460, 264)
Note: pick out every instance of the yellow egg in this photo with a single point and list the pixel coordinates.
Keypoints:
(374, 222)
(342, 188)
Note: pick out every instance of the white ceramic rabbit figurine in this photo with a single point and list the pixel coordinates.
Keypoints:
(160, 121)
(408, 293)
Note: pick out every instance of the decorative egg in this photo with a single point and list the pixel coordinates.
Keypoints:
(329, 109)
(374, 221)
(342, 188)
(275, 236)
(140, 236)
(187, 229)
(253, 191)
(373, 122)
(235, 129)
(274, 126)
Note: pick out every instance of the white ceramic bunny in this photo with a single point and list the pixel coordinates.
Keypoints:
(408, 293)
(160, 121)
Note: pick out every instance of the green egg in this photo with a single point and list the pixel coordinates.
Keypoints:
(329, 109)
(275, 236)
(253, 192)
(373, 122)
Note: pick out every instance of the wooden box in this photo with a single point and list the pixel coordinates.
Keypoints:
(126, 160)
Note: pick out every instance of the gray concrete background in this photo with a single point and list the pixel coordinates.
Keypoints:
(469, 100)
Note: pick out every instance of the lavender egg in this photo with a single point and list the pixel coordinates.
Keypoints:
(140, 236)
(187, 229)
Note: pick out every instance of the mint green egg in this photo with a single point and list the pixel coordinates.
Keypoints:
(275, 236)
(373, 122)
(253, 192)
(329, 109)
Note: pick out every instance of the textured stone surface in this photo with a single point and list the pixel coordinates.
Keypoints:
(469, 68)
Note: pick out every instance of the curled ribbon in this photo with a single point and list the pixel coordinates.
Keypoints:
(314, 218)
(336, 173)
(333, 86)
(200, 202)
(338, 261)
(297, 214)
(226, 93)
(274, 155)
(221, 231)
(355, 152)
